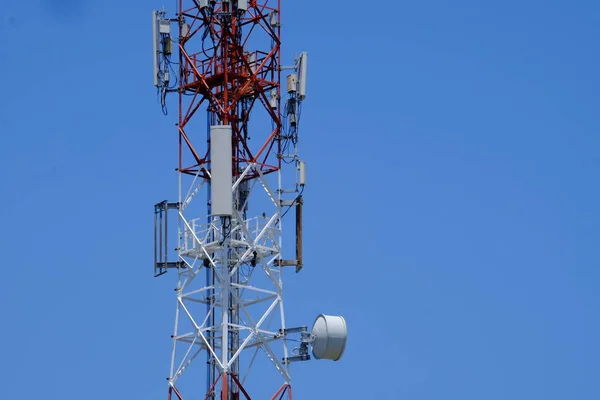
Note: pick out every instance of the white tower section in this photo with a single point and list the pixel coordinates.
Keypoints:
(244, 302)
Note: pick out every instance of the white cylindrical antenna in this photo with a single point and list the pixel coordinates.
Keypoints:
(155, 46)
(221, 170)
(302, 64)
(242, 5)
(302, 173)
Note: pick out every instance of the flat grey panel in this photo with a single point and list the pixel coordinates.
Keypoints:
(221, 170)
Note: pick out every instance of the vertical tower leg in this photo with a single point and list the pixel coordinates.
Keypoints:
(225, 388)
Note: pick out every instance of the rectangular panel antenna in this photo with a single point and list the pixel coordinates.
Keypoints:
(221, 171)
(155, 46)
(302, 64)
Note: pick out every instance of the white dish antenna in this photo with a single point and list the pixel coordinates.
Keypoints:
(329, 336)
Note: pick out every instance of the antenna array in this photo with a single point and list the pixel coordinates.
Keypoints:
(239, 175)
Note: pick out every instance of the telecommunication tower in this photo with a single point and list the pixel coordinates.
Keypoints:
(239, 175)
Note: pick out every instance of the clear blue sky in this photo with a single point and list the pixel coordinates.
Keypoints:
(452, 212)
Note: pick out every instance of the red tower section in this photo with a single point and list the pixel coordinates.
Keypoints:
(229, 60)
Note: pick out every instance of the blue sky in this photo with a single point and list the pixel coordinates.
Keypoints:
(451, 211)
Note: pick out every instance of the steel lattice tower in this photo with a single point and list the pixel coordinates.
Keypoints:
(229, 261)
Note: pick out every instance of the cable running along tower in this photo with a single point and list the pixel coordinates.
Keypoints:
(239, 175)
